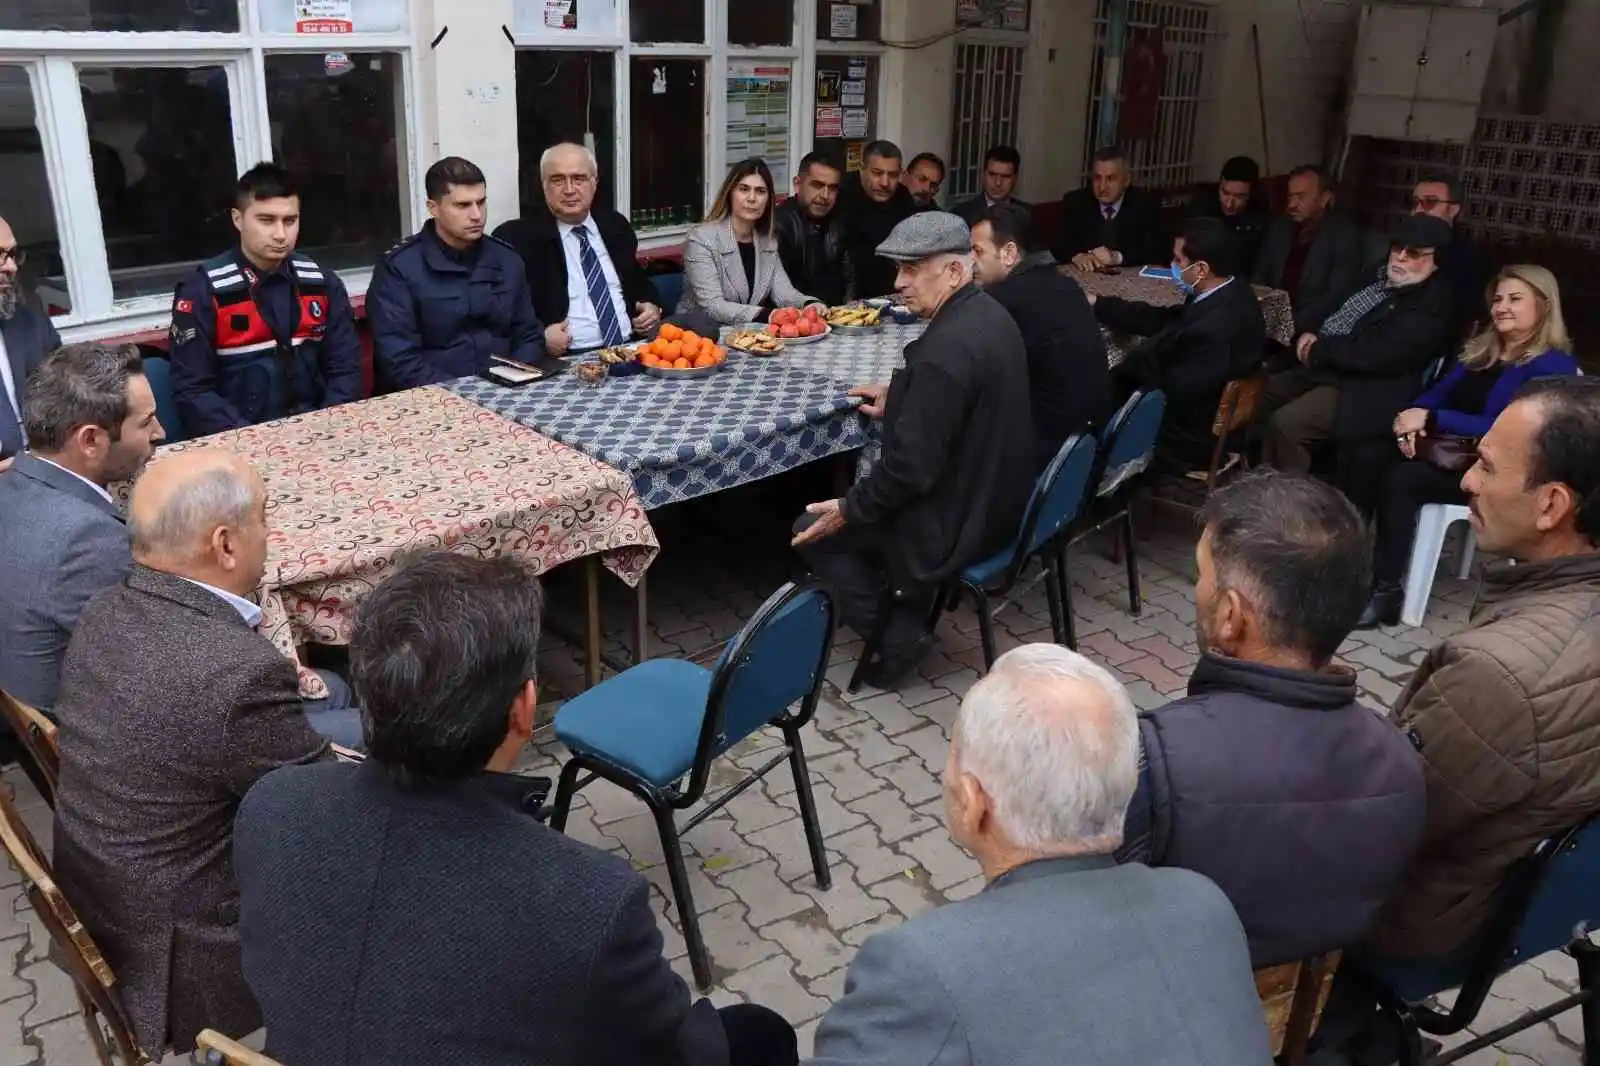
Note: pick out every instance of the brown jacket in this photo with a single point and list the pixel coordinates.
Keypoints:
(171, 707)
(1507, 716)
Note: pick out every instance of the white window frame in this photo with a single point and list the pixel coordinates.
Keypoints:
(716, 54)
(52, 59)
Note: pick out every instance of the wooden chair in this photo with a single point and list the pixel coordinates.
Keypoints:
(214, 1049)
(72, 948)
(37, 735)
(1235, 411)
(1293, 996)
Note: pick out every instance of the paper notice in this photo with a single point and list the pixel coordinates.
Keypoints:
(842, 20)
(830, 122)
(855, 122)
(324, 16)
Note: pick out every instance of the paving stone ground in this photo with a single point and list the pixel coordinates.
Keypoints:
(774, 938)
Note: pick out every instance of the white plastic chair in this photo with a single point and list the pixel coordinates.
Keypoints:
(1433, 522)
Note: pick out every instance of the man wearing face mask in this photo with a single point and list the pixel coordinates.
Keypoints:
(958, 452)
(26, 337)
(1071, 382)
(1191, 352)
(1309, 845)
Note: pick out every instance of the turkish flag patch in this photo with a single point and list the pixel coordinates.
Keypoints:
(184, 307)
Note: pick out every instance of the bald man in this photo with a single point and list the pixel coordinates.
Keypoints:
(26, 337)
(171, 707)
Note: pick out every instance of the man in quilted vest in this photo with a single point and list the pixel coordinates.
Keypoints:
(1506, 713)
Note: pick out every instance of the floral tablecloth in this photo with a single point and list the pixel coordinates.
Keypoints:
(1131, 285)
(353, 491)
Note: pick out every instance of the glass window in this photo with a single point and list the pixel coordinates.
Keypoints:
(846, 117)
(26, 203)
(217, 16)
(365, 16)
(669, 21)
(561, 96)
(770, 22)
(334, 125)
(543, 18)
(162, 143)
(849, 20)
(668, 141)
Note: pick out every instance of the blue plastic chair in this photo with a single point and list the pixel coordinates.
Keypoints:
(1057, 500)
(1549, 900)
(659, 726)
(158, 372)
(670, 288)
(1127, 448)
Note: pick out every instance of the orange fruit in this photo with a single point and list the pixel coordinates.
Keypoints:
(669, 332)
(690, 339)
(703, 360)
(721, 353)
(707, 346)
(674, 350)
(680, 363)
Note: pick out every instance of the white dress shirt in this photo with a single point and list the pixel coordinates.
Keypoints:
(582, 320)
(6, 377)
(247, 610)
(1199, 296)
(104, 495)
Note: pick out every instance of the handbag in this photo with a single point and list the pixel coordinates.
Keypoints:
(1447, 452)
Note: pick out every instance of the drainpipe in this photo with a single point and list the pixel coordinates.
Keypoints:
(1111, 82)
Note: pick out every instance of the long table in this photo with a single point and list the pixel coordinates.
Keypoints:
(355, 490)
(1129, 284)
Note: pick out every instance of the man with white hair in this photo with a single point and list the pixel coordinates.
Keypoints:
(1064, 956)
(582, 261)
(171, 707)
(958, 452)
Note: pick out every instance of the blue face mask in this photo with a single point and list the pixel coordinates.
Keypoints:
(1177, 279)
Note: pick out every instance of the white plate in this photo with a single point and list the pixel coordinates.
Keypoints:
(761, 327)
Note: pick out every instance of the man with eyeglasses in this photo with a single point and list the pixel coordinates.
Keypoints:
(1365, 362)
(26, 337)
(1466, 273)
(582, 261)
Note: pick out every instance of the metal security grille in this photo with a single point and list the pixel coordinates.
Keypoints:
(988, 94)
(1187, 37)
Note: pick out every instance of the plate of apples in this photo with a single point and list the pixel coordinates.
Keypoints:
(794, 326)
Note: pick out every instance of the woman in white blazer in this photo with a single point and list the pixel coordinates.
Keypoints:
(731, 267)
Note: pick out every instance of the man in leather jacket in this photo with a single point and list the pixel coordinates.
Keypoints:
(811, 236)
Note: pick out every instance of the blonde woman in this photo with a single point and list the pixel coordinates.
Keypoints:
(1526, 339)
(730, 264)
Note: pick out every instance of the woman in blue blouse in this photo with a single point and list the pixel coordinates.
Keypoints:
(1527, 339)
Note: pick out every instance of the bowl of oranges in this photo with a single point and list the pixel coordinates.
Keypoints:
(681, 353)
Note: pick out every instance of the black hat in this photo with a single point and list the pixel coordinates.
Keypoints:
(1422, 231)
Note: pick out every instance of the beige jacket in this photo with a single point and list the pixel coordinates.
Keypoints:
(1506, 714)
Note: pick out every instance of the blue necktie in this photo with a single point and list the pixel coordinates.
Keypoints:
(599, 292)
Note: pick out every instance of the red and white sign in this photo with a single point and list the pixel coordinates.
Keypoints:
(318, 17)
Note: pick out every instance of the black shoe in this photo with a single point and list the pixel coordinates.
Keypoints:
(1383, 609)
(890, 668)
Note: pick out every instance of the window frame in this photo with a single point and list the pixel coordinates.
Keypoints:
(52, 59)
(716, 54)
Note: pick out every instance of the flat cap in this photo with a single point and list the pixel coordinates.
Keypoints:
(924, 234)
(1421, 231)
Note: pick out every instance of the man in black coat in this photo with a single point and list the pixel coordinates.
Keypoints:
(1110, 223)
(1067, 369)
(1235, 200)
(582, 263)
(958, 452)
(1466, 269)
(1310, 831)
(872, 203)
(1314, 253)
(408, 911)
(812, 239)
(1365, 363)
(1192, 351)
(26, 337)
(1002, 166)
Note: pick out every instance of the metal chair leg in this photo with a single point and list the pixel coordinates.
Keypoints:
(1135, 600)
(1052, 594)
(1410, 1049)
(1587, 955)
(1064, 590)
(980, 601)
(808, 808)
(566, 788)
(673, 847)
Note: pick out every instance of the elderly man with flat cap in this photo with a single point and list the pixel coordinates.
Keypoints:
(957, 464)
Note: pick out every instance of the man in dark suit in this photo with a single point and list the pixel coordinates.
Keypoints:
(1110, 223)
(172, 705)
(812, 239)
(1056, 959)
(1234, 199)
(1314, 253)
(26, 337)
(1466, 270)
(582, 262)
(872, 204)
(452, 927)
(91, 421)
(1192, 351)
(1002, 165)
(1069, 379)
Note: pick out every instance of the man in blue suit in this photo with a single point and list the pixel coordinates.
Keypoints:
(26, 337)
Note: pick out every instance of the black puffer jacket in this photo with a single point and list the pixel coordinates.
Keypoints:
(1303, 805)
(816, 255)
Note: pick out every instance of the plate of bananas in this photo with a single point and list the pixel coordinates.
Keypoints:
(755, 342)
(857, 317)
